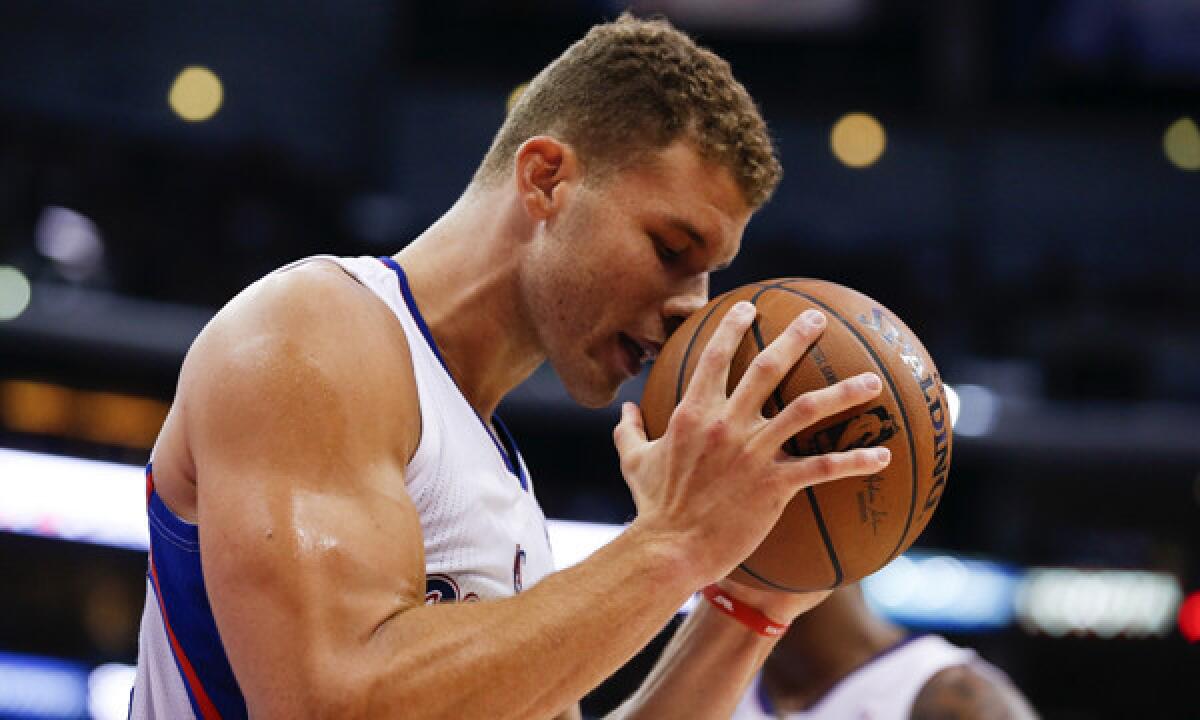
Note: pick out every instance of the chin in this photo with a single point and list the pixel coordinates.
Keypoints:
(590, 392)
(591, 396)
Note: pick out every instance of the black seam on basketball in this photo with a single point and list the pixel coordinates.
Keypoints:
(887, 376)
(777, 586)
(692, 341)
(683, 365)
(795, 451)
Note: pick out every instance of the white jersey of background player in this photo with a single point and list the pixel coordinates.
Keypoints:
(841, 662)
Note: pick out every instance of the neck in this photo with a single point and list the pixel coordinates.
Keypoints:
(820, 651)
(463, 273)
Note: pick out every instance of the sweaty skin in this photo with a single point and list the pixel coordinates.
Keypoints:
(296, 415)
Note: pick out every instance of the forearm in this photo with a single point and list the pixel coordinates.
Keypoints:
(711, 660)
(703, 672)
(525, 657)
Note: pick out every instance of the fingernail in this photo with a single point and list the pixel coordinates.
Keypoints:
(813, 317)
(744, 309)
(870, 381)
(883, 454)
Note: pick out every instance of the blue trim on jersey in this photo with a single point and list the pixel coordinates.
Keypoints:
(175, 552)
(511, 457)
(760, 694)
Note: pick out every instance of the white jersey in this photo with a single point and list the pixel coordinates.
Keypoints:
(882, 689)
(484, 532)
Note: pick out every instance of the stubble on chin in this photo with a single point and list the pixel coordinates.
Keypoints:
(594, 390)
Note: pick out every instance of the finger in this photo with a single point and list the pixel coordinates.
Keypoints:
(712, 369)
(809, 471)
(811, 407)
(769, 367)
(630, 432)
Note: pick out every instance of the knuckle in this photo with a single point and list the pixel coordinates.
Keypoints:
(797, 331)
(863, 389)
(683, 419)
(717, 431)
(856, 460)
(715, 355)
(848, 391)
(766, 364)
(803, 407)
(827, 465)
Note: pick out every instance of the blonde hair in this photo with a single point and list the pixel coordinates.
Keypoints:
(632, 87)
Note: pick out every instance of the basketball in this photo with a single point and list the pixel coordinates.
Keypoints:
(837, 532)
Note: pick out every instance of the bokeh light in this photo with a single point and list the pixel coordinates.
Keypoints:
(1181, 143)
(1189, 617)
(196, 94)
(14, 292)
(858, 140)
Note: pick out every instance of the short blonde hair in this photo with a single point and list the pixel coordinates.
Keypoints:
(632, 87)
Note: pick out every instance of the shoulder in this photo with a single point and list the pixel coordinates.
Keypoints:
(307, 347)
(967, 692)
(315, 296)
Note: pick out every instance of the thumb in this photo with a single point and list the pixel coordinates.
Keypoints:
(630, 433)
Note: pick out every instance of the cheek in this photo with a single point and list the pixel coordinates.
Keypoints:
(596, 278)
(565, 301)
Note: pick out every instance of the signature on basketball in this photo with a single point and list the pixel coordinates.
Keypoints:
(867, 512)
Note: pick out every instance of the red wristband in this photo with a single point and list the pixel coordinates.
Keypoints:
(743, 613)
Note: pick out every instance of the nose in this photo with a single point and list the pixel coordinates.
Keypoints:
(690, 297)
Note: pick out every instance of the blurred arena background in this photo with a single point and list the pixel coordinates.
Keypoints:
(1018, 179)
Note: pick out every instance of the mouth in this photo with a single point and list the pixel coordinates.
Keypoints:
(637, 352)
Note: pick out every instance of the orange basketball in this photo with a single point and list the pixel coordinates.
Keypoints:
(838, 532)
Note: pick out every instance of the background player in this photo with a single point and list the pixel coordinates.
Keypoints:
(332, 461)
(840, 660)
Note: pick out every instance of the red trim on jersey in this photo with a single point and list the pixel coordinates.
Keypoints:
(149, 484)
(208, 711)
(743, 613)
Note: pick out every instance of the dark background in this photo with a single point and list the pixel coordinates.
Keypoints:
(1024, 220)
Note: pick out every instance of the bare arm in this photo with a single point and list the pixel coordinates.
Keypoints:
(710, 660)
(963, 693)
(312, 548)
(313, 552)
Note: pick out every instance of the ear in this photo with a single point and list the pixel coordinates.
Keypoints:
(547, 170)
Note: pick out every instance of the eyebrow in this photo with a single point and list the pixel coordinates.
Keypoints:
(696, 236)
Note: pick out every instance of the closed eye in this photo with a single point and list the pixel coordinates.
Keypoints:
(665, 252)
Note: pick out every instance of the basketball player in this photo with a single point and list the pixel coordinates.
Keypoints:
(332, 490)
(841, 661)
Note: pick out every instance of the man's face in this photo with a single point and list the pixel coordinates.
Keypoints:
(624, 261)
